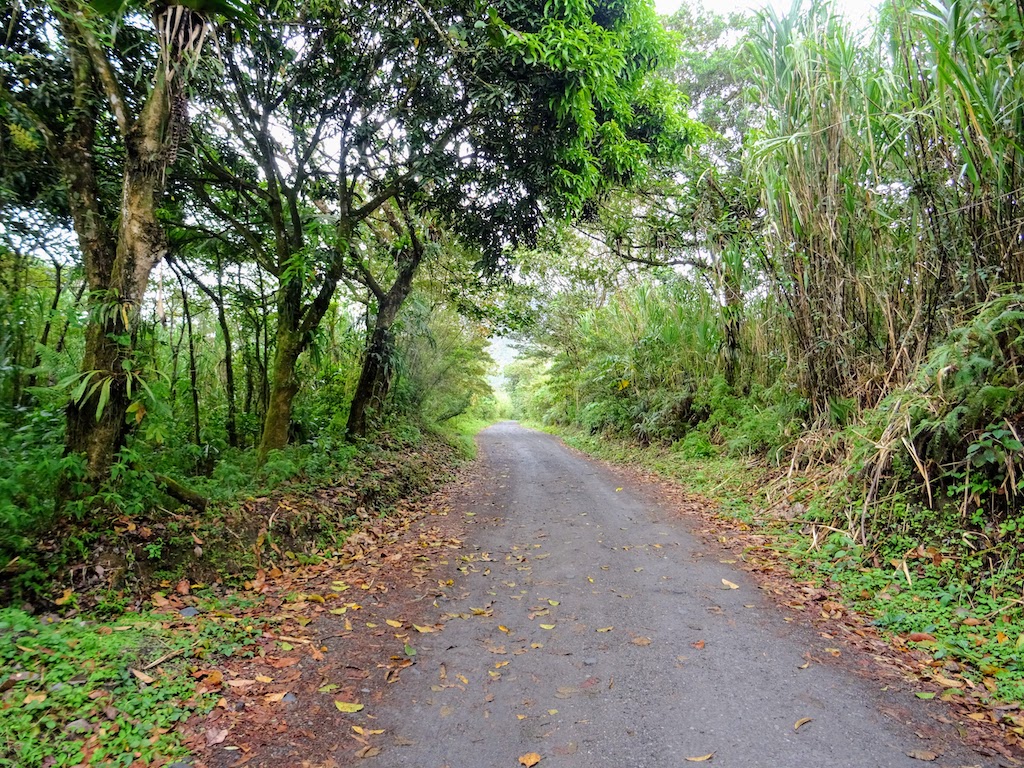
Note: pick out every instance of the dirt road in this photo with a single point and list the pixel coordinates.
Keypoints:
(589, 627)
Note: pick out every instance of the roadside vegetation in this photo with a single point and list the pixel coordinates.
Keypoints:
(819, 320)
(252, 257)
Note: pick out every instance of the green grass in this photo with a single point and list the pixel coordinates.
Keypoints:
(70, 696)
(463, 429)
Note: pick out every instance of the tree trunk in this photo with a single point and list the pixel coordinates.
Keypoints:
(374, 381)
(283, 388)
(375, 377)
(116, 285)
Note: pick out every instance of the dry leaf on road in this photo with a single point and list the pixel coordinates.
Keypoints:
(530, 759)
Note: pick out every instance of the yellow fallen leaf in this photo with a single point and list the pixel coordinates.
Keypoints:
(348, 706)
(503, 628)
(801, 721)
(530, 759)
(264, 679)
(729, 585)
(500, 664)
(464, 679)
(702, 758)
(547, 626)
(418, 628)
(553, 602)
(366, 731)
(65, 598)
(552, 711)
(393, 623)
(270, 698)
(338, 611)
(520, 717)
(604, 629)
(34, 698)
(371, 625)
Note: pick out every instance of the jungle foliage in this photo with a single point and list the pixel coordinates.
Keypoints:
(832, 285)
(242, 241)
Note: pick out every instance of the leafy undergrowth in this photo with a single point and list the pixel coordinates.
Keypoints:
(142, 635)
(84, 692)
(955, 626)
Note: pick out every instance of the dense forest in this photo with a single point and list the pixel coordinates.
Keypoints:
(260, 250)
(240, 242)
(829, 283)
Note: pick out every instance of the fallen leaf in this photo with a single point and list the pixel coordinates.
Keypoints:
(261, 679)
(925, 695)
(604, 629)
(368, 751)
(409, 650)
(34, 698)
(147, 679)
(801, 721)
(348, 706)
(548, 626)
(552, 711)
(366, 731)
(215, 736)
(553, 602)
(503, 628)
(921, 637)
(239, 683)
(530, 759)
(729, 585)
(699, 645)
(922, 754)
(393, 623)
(641, 641)
(702, 758)
(66, 597)
(418, 628)
(270, 698)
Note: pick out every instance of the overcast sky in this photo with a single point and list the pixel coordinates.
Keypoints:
(858, 11)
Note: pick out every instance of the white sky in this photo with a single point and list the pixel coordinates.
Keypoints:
(860, 12)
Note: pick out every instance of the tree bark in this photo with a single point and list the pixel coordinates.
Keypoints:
(284, 386)
(117, 264)
(378, 361)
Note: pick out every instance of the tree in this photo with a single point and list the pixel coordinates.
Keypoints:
(66, 79)
(488, 120)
